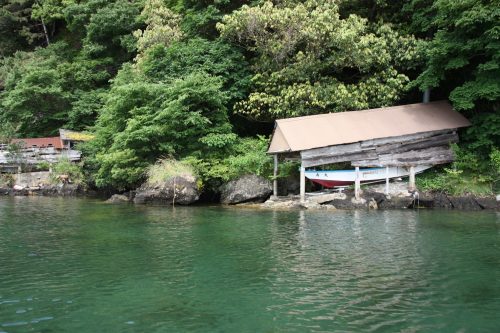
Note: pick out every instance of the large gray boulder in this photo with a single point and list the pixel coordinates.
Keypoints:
(181, 190)
(248, 188)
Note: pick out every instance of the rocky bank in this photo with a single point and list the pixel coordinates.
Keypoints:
(256, 191)
(60, 190)
(377, 200)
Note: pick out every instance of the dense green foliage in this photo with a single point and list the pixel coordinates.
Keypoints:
(188, 80)
(141, 121)
(309, 60)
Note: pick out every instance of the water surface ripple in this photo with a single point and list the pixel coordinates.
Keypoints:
(85, 266)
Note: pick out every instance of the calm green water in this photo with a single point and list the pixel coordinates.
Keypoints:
(85, 266)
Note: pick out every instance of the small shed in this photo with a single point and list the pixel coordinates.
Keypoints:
(71, 138)
(405, 135)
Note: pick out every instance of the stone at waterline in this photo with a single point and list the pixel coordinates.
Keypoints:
(248, 188)
(118, 198)
(488, 203)
(182, 190)
(372, 204)
(64, 190)
(465, 202)
(289, 185)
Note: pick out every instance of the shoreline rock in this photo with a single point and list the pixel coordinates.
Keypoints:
(375, 200)
(60, 190)
(182, 190)
(248, 188)
(187, 193)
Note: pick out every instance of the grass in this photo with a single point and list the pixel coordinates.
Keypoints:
(166, 169)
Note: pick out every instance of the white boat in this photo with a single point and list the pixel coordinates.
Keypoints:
(341, 178)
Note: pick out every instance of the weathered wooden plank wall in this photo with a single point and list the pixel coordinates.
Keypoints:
(427, 156)
(416, 149)
(30, 156)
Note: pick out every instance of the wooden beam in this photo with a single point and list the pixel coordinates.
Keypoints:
(376, 164)
(337, 159)
(411, 184)
(439, 140)
(302, 184)
(420, 156)
(275, 173)
(332, 151)
(387, 180)
(402, 138)
(357, 185)
(429, 156)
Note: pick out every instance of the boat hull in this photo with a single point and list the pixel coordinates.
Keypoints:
(342, 178)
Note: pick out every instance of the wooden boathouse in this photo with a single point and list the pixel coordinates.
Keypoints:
(403, 136)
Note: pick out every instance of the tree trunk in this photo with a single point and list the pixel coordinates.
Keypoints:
(45, 32)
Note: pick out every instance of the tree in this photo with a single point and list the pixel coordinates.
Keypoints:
(34, 96)
(162, 26)
(105, 28)
(201, 16)
(463, 63)
(216, 58)
(51, 88)
(143, 121)
(18, 30)
(465, 50)
(309, 60)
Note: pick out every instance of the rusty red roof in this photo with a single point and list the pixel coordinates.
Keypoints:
(41, 142)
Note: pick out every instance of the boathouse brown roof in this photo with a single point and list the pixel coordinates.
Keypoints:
(303, 133)
(41, 142)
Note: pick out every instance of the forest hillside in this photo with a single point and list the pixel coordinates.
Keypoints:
(202, 81)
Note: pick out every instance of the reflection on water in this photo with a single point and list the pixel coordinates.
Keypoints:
(85, 266)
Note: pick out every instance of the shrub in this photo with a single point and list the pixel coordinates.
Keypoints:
(244, 156)
(43, 166)
(64, 167)
(6, 179)
(467, 175)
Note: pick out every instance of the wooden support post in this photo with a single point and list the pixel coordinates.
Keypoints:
(275, 173)
(386, 180)
(427, 95)
(357, 184)
(411, 185)
(302, 184)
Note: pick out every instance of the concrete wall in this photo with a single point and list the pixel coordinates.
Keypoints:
(32, 179)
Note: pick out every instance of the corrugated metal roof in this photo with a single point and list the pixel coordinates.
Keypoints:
(302, 133)
(41, 142)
